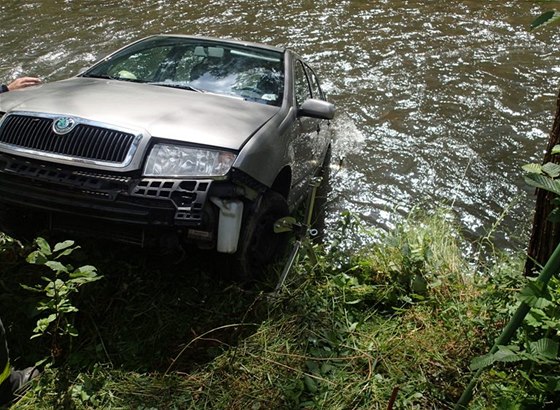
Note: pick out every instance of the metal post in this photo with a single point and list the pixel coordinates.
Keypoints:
(302, 236)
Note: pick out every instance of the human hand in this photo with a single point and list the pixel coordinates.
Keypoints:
(23, 82)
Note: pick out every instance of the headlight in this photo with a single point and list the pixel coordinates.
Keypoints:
(178, 161)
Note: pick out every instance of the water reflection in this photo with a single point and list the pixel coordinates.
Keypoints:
(437, 101)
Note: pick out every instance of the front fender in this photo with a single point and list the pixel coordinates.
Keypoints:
(270, 150)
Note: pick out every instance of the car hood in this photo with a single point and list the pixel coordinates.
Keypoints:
(199, 118)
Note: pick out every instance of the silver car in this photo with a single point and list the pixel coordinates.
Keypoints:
(170, 141)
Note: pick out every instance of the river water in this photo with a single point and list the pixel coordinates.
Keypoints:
(437, 102)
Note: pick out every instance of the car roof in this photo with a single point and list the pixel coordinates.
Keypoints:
(223, 40)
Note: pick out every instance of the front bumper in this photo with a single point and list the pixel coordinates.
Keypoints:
(72, 199)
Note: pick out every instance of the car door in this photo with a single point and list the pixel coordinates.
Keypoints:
(322, 137)
(305, 141)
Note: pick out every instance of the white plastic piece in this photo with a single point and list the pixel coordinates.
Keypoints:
(229, 225)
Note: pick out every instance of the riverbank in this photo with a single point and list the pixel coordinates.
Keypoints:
(398, 321)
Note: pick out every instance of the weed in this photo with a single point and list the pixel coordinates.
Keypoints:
(56, 291)
(416, 258)
(349, 331)
(530, 362)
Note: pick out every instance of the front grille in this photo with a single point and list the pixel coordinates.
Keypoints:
(84, 141)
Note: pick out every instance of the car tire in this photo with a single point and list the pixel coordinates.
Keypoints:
(259, 245)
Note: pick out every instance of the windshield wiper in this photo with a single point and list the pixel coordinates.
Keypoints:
(110, 77)
(182, 86)
(103, 76)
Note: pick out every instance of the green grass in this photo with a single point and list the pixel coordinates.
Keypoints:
(401, 318)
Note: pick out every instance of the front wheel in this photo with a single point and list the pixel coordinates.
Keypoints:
(259, 245)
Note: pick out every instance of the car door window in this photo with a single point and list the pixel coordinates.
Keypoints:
(315, 86)
(301, 84)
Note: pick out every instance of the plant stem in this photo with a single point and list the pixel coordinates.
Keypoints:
(552, 267)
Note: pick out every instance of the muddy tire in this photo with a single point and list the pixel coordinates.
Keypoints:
(259, 245)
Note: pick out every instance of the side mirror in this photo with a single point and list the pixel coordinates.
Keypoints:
(316, 109)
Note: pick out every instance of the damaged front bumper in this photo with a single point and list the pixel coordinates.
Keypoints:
(123, 207)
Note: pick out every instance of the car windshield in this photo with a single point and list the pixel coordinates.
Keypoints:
(248, 73)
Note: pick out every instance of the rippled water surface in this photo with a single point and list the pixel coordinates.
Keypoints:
(436, 102)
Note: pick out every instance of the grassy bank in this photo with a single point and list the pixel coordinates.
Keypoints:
(394, 323)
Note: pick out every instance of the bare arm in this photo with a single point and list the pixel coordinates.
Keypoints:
(23, 82)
